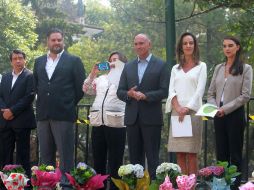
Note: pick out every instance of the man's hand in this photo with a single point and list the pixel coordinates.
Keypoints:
(132, 92)
(137, 95)
(7, 114)
(140, 96)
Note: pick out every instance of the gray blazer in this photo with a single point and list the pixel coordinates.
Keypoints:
(237, 89)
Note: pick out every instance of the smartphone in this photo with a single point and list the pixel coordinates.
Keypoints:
(103, 66)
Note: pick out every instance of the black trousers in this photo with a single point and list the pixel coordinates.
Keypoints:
(229, 134)
(21, 138)
(108, 145)
(144, 140)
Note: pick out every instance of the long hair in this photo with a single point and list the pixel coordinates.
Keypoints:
(179, 50)
(237, 66)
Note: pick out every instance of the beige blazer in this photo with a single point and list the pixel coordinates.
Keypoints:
(237, 89)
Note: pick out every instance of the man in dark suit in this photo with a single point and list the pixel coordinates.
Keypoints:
(143, 84)
(59, 77)
(17, 115)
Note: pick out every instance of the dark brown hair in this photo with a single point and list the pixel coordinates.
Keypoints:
(121, 56)
(237, 66)
(179, 50)
(55, 30)
(17, 51)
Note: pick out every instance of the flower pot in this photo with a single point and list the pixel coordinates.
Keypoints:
(203, 185)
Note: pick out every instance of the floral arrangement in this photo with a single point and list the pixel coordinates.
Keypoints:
(209, 172)
(184, 182)
(166, 169)
(133, 177)
(166, 185)
(220, 176)
(247, 186)
(13, 177)
(83, 177)
(45, 177)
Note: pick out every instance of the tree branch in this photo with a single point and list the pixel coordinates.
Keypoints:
(199, 13)
(180, 19)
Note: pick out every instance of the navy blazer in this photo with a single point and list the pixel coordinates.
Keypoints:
(19, 99)
(154, 85)
(57, 98)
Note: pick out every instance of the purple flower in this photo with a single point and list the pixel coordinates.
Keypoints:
(205, 172)
(82, 166)
(218, 171)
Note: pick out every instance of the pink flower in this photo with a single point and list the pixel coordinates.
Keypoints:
(43, 178)
(247, 186)
(185, 182)
(11, 167)
(205, 172)
(166, 185)
(217, 170)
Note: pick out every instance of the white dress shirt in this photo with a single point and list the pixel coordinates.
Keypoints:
(142, 65)
(189, 87)
(15, 77)
(51, 64)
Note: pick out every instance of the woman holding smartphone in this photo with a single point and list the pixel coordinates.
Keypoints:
(107, 118)
(229, 90)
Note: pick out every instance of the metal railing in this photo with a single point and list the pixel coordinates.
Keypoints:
(205, 152)
(83, 141)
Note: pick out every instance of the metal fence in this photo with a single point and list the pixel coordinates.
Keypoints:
(206, 157)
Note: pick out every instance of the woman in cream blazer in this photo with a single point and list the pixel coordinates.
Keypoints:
(229, 90)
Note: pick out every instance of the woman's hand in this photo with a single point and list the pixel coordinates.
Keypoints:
(182, 111)
(220, 113)
(94, 71)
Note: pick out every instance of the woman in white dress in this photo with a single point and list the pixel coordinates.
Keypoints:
(186, 89)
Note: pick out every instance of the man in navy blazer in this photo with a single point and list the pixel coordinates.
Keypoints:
(17, 115)
(143, 84)
(59, 77)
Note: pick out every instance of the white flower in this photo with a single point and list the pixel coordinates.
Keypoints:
(125, 170)
(252, 174)
(82, 166)
(58, 187)
(34, 168)
(165, 167)
(138, 171)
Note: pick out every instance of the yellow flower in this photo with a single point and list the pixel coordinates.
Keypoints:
(50, 168)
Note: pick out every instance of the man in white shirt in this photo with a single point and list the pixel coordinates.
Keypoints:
(58, 81)
(17, 115)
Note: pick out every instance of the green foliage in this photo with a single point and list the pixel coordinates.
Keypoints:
(17, 25)
(8, 169)
(230, 172)
(82, 174)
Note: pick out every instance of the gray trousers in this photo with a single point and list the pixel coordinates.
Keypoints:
(56, 135)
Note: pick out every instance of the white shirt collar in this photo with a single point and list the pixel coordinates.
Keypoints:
(13, 74)
(147, 59)
(58, 55)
